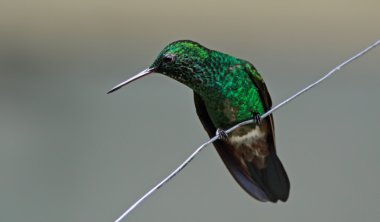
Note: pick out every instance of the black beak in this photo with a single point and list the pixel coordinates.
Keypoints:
(138, 76)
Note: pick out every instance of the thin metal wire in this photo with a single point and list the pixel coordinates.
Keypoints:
(199, 149)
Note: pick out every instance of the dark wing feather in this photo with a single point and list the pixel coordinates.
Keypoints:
(274, 175)
(264, 95)
(268, 184)
(225, 152)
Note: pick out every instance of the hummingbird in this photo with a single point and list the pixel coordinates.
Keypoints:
(228, 90)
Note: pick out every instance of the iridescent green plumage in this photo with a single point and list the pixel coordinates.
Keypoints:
(223, 81)
(228, 90)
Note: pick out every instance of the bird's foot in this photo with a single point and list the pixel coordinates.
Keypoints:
(222, 135)
(256, 118)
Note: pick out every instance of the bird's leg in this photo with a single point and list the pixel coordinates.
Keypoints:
(222, 135)
(256, 118)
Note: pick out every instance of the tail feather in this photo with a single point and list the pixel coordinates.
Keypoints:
(272, 179)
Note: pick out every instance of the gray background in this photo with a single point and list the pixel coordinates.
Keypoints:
(69, 152)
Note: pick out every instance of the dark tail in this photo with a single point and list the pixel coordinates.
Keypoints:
(272, 179)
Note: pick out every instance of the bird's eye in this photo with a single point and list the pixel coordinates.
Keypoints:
(168, 58)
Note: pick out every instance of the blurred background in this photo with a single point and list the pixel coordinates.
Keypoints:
(69, 152)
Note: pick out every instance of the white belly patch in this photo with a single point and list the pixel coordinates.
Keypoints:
(250, 146)
(248, 138)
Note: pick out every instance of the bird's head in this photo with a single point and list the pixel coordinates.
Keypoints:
(185, 61)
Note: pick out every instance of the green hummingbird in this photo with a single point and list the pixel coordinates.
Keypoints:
(229, 90)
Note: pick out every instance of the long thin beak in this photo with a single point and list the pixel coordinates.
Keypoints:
(138, 76)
